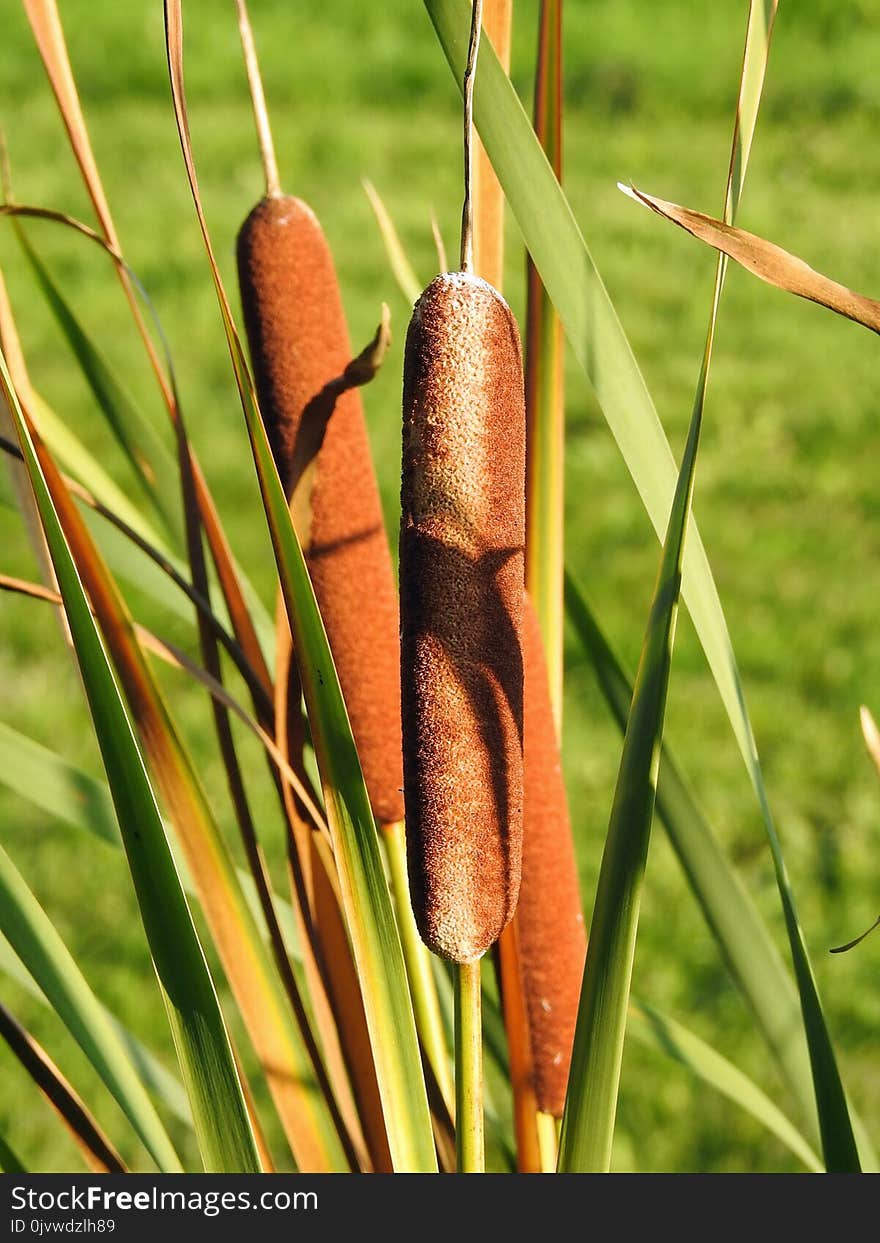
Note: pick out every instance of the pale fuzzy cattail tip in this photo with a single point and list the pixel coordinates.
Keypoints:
(461, 579)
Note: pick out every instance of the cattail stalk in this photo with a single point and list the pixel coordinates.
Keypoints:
(469, 1143)
(462, 576)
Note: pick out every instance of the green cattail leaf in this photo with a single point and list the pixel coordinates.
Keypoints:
(71, 795)
(32, 935)
(153, 1074)
(225, 1137)
(545, 387)
(748, 949)
(654, 1029)
(591, 1102)
(150, 458)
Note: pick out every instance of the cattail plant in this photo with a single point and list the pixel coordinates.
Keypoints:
(462, 584)
(438, 722)
(314, 418)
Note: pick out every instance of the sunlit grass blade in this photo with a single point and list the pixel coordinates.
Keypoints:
(97, 1150)
(871, 734)
(24, 497)
(200, 1036)
(69, 794)
(34, 938)
(402, 269)
(652, 1028)
(363, 885)
(545, 395)
(591, 1103)
(747, 947)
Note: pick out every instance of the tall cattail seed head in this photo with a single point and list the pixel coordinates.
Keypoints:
(461, 579)
(299, 346)
(552, 937)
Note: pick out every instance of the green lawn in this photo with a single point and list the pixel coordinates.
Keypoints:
(787, 493)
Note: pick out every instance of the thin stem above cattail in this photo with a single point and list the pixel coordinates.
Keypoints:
(258, 98)
(467, 213)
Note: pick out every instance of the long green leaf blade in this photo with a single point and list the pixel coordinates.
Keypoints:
(591, 1103)
(748, 949)
(225, 1137)
(31, 933)
(652, 1028)
(150, 459)
(153, 1073)
(545, 388)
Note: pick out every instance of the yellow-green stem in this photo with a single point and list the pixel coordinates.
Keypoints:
(423, 989)
(548, 1141)
(469, 1149)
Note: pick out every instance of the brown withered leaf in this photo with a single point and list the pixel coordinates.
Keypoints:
(764, 259)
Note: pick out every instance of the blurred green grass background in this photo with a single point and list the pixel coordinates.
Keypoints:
(787, 494)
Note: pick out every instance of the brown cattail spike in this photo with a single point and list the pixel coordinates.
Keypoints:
(461, 578)
(300, 348)
(552, 938)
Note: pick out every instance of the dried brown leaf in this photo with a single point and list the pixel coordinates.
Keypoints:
(766, 260)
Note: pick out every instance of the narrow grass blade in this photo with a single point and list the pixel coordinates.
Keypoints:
(364, 888)
(228, 911)
(49, 37)
(72, 796)
(402, 269)
(24, 497)
(591, 1103)
(33, 937)
(767, 261)
(747, 947)
(200, 1036)
(544, 382)
(152, 463)
(652, 1028)
(96, 1148)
